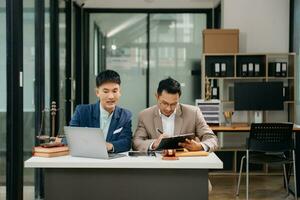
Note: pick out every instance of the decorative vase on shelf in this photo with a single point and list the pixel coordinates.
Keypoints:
(228, 117)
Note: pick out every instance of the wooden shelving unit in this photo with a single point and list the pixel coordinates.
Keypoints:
(234, 62)
(233, 74)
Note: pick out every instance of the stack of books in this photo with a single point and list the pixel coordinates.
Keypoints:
(50, 152)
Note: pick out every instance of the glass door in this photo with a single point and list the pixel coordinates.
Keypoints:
(3, 99)
(175, 50)
(28, 93)
(120, 41)
(62, 66)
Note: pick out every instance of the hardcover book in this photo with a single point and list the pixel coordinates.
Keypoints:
(49, 155)
(50, 152)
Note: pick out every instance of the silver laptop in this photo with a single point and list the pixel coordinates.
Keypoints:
(87, 142)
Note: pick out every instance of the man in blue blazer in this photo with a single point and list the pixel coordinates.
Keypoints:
(114, 121)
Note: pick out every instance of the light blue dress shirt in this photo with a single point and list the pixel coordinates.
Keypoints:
(105, 119)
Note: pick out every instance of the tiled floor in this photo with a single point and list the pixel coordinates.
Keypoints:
(2, 193)
(28, 192)
(224, 187)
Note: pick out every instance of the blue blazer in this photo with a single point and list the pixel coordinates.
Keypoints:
(119, 131)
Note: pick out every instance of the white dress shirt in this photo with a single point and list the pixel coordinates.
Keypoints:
(168, 123)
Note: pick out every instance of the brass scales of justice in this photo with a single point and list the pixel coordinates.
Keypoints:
(47, 140)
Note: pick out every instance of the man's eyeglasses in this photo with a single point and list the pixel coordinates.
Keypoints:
(165, 104)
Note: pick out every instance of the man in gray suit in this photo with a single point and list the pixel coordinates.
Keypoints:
(172, 118)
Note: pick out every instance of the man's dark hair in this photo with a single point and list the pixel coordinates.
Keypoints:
(108, 76)
(169, 85)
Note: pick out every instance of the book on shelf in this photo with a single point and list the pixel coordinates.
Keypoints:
(244, 70)
(50, 152)
(283, 69)
(256, 69)
(217, 69)
(278, 69)
(223, 69)
(214, 90)
(250, 69)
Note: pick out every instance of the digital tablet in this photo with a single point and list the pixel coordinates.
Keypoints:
(141, 153)
(172, 142)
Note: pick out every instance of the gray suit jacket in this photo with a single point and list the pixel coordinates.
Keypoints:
(188, 119)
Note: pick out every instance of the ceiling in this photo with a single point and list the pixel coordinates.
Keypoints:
(149, 4)
(134, 4)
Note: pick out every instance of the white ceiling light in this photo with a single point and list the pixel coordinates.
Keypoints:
(113, 47)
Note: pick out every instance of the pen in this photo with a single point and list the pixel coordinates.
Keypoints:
(158, 130)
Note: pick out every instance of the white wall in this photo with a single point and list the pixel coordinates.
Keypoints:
(263, 24)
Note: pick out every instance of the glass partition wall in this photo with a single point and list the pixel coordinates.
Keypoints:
(175, 51)
(118, 42)
(47, 69)
(3, 99)
(62, 65)
(28, 93)
(29, 83)
(146, 48)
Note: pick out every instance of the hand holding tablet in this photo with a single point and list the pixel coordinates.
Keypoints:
(173, 142)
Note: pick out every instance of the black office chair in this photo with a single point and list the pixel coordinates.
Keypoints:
(269, 142)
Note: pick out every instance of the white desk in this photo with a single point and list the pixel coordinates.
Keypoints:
(131, 178)
(142, 162)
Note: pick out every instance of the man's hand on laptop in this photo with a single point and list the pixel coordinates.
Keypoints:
(109, 146)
